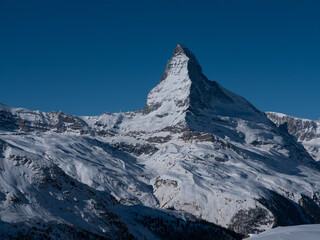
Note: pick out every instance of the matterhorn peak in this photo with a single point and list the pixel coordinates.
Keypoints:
(184, 92)
(182, 59)
(173, 90)
(180, 49)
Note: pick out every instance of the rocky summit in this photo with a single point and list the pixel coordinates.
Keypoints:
(197, 159)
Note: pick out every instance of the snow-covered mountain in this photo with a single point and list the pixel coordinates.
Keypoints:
(195, 147)
(306, 131)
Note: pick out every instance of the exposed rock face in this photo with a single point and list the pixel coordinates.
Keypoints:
(137, 149)
(305, 131)
(245, 221)
(302, 129)
(195, 147)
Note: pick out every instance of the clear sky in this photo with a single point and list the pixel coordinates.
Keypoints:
(88, 57)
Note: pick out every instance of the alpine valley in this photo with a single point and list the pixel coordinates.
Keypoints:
(197, 162)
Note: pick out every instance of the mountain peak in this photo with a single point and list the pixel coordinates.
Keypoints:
(182, 49)
(183, 60)
(185, 94)
(179, 49)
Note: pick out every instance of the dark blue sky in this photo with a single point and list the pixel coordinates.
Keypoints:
(87, 57)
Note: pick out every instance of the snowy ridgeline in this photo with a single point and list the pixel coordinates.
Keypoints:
(195, 148)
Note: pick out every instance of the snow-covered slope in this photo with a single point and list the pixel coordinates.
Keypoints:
(306, 232)
(38, 200)
(306, 131)
(34, 190)
(195, 147)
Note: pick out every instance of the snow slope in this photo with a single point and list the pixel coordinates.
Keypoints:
(39, 200)
(195, 147)
(306, 232)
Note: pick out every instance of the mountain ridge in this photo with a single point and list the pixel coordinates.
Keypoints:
(306, 131)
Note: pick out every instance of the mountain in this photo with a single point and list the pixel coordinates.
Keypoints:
(195, 148)
(306, 131)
